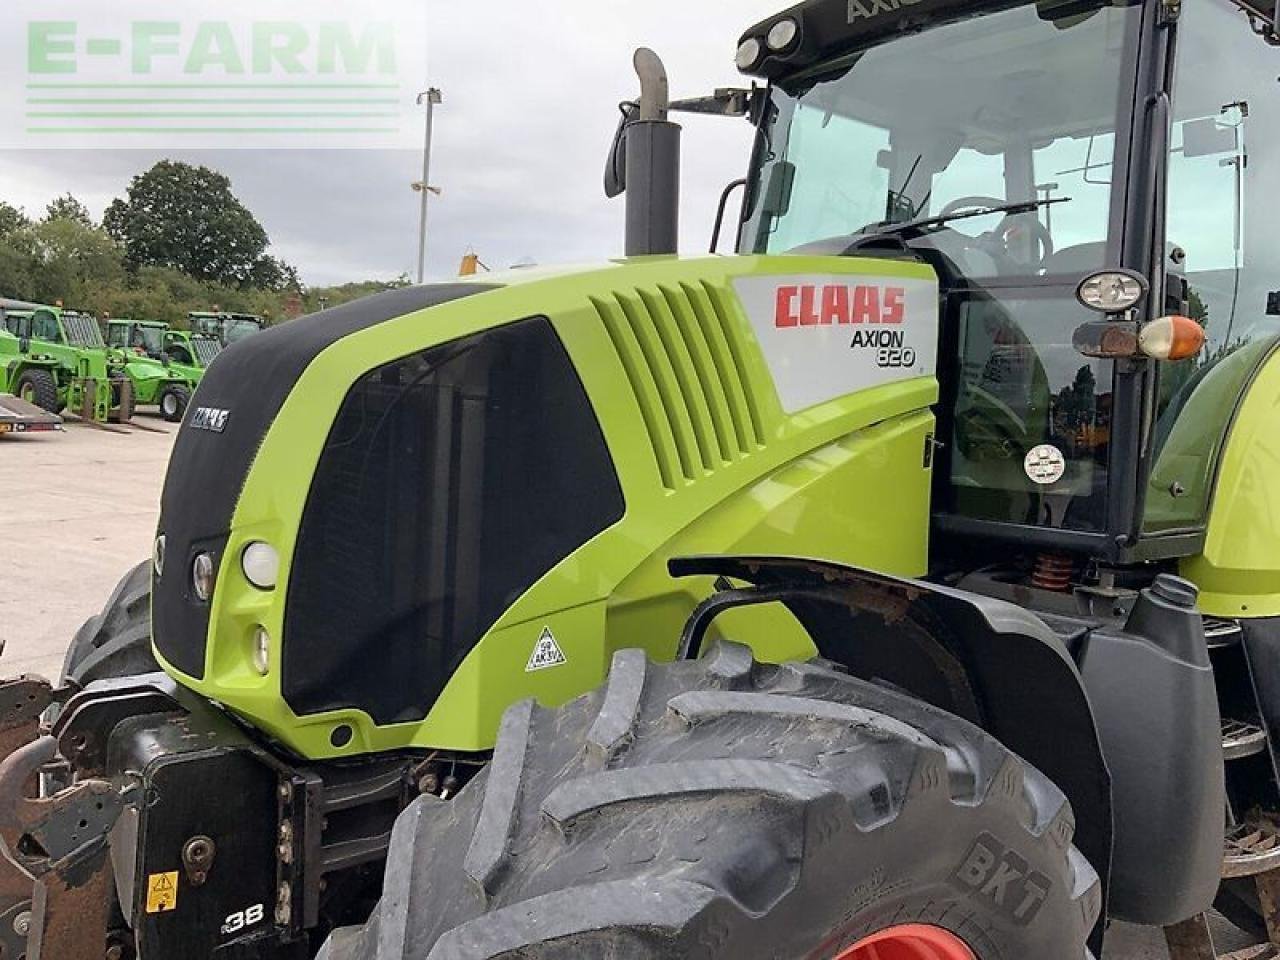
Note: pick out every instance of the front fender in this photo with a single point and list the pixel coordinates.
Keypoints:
(988, 661)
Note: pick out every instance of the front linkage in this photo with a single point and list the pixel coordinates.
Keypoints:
(146, 820)
(54, 879)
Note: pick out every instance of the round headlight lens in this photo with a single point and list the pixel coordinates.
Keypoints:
(782, 34)
(1112, 291)
(202, 575)
(157, 556)
(262, 650)
(261, 565)
(748, 53)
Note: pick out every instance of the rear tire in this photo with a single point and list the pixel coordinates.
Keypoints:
(723, 808)
(117, 641)
(173, 402)
(39, 387)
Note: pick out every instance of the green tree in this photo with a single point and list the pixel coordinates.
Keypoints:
(67, 207)
(186, 217)
(11, 219)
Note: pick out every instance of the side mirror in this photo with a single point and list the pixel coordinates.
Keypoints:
(777, 193)
(1207, 138)
(615, 170)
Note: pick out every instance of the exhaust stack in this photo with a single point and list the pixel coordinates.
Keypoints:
(652, 164)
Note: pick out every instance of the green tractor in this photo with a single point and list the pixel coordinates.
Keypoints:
(905, 586)
(56, 359)
(226, 328)
(144, 348)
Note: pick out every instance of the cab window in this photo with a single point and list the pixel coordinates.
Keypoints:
(1224, 152)
(44, 326)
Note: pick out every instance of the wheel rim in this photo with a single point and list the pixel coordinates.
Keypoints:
(27, 393)
(914, 941)
(170, 403)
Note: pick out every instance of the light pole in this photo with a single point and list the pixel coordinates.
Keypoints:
(432, 98)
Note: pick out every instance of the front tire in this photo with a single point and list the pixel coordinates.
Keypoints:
(39, 387)
(117, 641)
(723, 808)
(173, 402)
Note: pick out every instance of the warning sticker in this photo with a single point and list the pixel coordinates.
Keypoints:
(546, 653)
(1045, 464)
(162, 892)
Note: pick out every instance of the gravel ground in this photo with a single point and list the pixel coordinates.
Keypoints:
(77, 510)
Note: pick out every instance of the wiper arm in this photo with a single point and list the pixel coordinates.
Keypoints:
(918, 226)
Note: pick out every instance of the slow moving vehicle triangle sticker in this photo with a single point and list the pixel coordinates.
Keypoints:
(546, 653)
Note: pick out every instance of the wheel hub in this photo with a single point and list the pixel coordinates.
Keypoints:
(914, 941)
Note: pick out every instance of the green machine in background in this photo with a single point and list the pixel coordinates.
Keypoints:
(165, 365)
(57, 359)
(226, 328)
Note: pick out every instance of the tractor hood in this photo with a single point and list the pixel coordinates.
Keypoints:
(428, 470)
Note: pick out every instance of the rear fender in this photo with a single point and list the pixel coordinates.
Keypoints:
(988, 661)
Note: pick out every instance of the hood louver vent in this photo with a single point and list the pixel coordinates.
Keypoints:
(684, 361)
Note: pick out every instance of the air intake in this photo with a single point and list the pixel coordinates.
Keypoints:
(684, 361)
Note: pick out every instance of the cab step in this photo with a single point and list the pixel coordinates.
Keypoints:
(1240, 739)
(1252, 848)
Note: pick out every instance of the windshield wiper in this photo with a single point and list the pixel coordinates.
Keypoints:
(919, 226)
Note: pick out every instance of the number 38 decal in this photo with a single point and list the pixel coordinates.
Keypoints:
(242, 919)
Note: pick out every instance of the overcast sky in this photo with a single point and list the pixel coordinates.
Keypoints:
(531, 93)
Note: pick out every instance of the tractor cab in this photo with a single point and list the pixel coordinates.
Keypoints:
(137, 336)
(226, 328)
(50, 325)
(1035, 154)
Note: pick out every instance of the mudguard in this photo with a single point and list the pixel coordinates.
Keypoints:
(988, 661)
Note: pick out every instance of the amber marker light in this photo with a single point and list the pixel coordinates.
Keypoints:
(1171, 338)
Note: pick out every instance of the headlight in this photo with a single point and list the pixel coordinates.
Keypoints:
(782, 34)
(1112, 291)
(157, 556)
(748, 53)
(262, 650)
(261, 565)
(202, 575)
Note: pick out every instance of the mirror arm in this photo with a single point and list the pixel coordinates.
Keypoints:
(725, 102)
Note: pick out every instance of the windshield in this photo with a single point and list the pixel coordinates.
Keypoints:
(149, 339)
(1225, 150)
(237, 328)
(1003, 108)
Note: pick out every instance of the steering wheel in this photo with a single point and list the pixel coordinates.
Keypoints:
(999, 237)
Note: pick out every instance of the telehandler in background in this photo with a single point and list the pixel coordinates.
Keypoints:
(158, 362)
(906, 585)
(56, 359)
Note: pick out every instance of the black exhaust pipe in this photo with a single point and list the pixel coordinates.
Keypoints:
(652, 164)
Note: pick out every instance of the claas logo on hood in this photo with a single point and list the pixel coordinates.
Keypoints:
(839, 304)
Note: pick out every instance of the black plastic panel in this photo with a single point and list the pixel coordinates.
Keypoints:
(250, 383)
(451, 481)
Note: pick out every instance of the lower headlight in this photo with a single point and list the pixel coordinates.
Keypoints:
(262, 651)
(202, 575)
